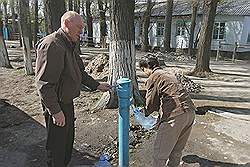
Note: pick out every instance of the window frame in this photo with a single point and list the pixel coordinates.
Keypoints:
(160, 29)
(219, 31)
(248, 38)
(180, 30)
(181, 27)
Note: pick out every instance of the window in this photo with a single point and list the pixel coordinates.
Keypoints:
(180, 30)
(160, 28)
(219, 31)
(141, 29)
(181, 27)
(248, 38)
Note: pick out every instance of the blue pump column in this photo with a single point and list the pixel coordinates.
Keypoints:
(124, 93)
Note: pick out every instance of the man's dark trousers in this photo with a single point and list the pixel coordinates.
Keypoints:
(60, 140)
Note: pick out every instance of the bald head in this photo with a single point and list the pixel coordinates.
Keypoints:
(71, 15)
(72, 24)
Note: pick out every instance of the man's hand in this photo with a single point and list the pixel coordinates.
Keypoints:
(104, 87)
(59, 119)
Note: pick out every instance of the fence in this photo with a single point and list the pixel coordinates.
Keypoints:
(236, 47)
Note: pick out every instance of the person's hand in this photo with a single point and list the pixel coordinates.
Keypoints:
(142, 109)
(104, 87)
(59, 119)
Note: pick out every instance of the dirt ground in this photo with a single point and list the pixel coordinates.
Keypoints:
(220, 137)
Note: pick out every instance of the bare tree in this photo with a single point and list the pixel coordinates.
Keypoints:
(5, 3)
(54, 10)
(24, 18)
(36, 26)
(103, 25)
(77, 9)
(4, 58)
(204, 45)
(13, 16)
(122, 49)
(77, 6)
(197, 38)
(70, 5)
(167, 27)
(145, 26)
(89, 23)
(45, 14)
(195, 4)
(82, 7)
(19, 27)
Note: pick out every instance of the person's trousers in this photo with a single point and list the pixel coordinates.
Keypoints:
(60, 140)
(171, 139)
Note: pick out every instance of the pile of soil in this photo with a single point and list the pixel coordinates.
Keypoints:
(98, 67)
(190, 86)
(137, 135)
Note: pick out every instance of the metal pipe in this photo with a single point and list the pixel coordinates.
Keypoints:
(124, 93)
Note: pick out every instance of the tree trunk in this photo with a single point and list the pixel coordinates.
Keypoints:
(25, 31)
(36, 28)
(204, 45)
(45, 14)
(77, 6)
(89, 23)
(103, 26)
(70, 5)
(195, 4)
(77, 9)
(122, 50)
(197, 38)
(4, 58)
(145, 26)
(7, 36)
(20, 32)
(82, 7)
(5, 13)
(167, 27)
(13, 17)
(54, 11)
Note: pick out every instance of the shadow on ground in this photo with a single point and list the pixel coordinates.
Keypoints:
(22, 141)
(203, 162)
(234, 110)
(219, 98)
(232, 74)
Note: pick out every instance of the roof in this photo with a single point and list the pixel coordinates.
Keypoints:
(183, 7)
(240, 7)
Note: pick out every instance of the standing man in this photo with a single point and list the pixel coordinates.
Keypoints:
(166, 95)
(59, 75)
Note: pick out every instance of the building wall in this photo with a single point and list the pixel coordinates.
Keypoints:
(154, 40)
(233, 32)
(236, 30)
(246, 31)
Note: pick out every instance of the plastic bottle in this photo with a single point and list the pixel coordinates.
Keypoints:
(146, 122)
(103, 161)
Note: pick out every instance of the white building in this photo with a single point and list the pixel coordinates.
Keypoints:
(232, 24)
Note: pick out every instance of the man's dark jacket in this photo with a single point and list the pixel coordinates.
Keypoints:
(59, 71)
